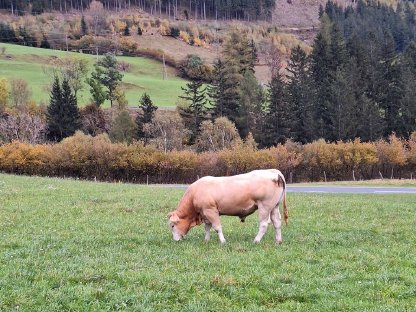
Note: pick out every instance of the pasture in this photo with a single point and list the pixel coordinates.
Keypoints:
(87, 246)
(144, 75)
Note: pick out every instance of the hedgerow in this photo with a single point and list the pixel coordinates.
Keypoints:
(86, 157)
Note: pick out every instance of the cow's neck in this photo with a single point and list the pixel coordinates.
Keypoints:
(186, 210)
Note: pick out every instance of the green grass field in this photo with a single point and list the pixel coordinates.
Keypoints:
(68, 245)
(145, 75)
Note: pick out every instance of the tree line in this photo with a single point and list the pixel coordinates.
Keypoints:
(183, 9)
(358, 81)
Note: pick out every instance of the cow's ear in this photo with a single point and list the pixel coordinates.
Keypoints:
(173, 217)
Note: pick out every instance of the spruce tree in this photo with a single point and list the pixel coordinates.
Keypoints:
(239, 50)
(278, 114)
(84, 27)
(45, 43)
(251, 115)
(145, 115)
(127, 31)
(224, 90)
(63, 117)
(322, 75)
(299, 97)
(196, 110)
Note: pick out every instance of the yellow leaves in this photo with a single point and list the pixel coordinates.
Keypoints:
(392, 151)
(184, 36)
(23, 158)
(4, 94)
(88, 157)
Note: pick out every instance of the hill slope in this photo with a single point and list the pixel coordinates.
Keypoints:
(144, 75)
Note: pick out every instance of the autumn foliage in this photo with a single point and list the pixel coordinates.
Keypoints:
(87, 157)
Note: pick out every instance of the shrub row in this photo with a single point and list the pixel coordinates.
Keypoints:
(88, 157)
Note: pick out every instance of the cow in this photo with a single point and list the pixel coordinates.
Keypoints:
(240, 195)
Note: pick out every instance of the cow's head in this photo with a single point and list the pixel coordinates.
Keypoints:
(180, 226)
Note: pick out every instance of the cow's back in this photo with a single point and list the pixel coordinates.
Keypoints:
(234, 194)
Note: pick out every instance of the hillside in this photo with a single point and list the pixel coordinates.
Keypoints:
(144, 75)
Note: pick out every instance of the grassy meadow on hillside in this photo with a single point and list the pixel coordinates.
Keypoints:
(83, 246)
(145, 75)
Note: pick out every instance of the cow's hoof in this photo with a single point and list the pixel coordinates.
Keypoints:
(279, 242)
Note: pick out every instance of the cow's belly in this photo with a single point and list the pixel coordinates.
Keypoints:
(237, 210)
(240, 213)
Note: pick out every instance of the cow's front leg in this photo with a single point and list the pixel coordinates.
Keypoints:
(264, 216)
(213, 217)
(207, 231)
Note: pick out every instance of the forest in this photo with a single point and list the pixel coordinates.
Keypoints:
(180, 9)
(357, 82)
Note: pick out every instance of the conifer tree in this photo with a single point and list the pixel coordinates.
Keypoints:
(196, 110)
(299, 95)
(45, 43)
(321, 74)
(251, 115)
(63, 117)
(127, 31)
(84, 27)
(224, 90)
(148, 110)
(278, 114)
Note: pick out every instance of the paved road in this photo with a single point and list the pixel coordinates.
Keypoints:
(332, 189)
(352, 189)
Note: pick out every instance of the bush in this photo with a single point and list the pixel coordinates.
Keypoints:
(174, 32)
(90, 157)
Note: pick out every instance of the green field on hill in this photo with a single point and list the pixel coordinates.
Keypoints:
(70, 245)
(144, 75)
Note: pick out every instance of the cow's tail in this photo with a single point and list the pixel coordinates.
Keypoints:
(281, 182)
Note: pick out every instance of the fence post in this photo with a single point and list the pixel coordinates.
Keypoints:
(147, 179)
(325, 175)
(353, 175)
(381, 176)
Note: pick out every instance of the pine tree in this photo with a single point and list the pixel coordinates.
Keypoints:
(299, 97)
(224, 90)
(146, 115)
(196, 111)
(45, 43)
(278, 114)
(84, 27)
(239, 50)
(250, 116)
(390, 86)
(63, 117)
(321, 74)
(127, 31)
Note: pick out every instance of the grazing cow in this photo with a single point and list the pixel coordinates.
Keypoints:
(241, 195)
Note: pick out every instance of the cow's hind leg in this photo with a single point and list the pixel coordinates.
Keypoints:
(277, 222)
(207, 231)
(213, 217)
(264, 216)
